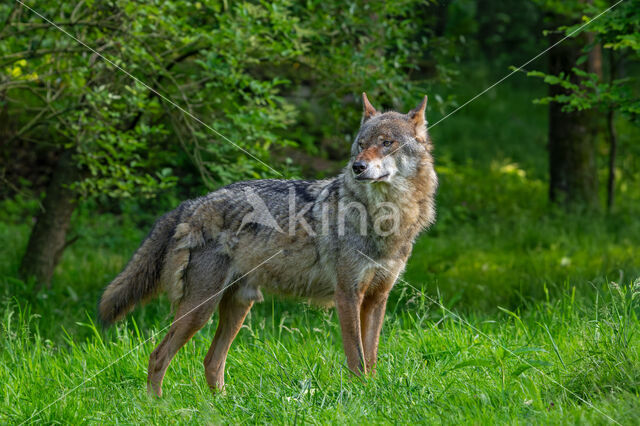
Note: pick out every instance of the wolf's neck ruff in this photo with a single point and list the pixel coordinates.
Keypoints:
(409, 199)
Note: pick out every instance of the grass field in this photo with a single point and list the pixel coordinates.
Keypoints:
(512, 312)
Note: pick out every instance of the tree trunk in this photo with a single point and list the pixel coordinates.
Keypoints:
(442, 16)
(613, 142)
(595, 56)
(572, 160)
(48, 236)
(611, 179)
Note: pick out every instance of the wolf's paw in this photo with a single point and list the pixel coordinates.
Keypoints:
(154, 391)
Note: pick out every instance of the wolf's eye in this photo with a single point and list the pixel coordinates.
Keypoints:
(387, 143)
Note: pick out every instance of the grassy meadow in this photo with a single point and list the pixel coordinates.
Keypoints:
(512, 310)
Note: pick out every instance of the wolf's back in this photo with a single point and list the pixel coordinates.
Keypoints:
(140, 279)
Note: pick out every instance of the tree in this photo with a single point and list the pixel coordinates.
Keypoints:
(573, 172)
(579, 92)
(238, 69)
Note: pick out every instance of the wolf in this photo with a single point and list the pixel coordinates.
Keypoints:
(341, 241)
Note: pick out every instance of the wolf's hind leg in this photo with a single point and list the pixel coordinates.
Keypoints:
(233, 310)
(203, 289)
(188, 320)
(192, 314)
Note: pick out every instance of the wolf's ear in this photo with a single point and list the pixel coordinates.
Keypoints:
(368, 110)
(416, 116)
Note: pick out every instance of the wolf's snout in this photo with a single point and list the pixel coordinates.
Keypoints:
(359, 167)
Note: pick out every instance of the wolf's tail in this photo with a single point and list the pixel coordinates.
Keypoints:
(140, 279)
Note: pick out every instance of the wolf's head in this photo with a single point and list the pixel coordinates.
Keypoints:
(389, 146)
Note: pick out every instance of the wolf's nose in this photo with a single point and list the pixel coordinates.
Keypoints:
(359, 167)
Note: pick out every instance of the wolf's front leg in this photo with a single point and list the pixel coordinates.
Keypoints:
(371, 318)
(348, 303)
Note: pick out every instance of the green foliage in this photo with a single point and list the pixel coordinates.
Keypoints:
(240, 68)
(618, 31)
(501, 30)
(116, 160)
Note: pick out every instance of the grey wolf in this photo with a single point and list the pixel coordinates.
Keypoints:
(343, 240)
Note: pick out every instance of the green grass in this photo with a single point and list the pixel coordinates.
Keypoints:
(533, 329)
(570, 359)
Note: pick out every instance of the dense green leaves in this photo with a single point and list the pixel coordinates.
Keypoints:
(617, 31)
(247, 70)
